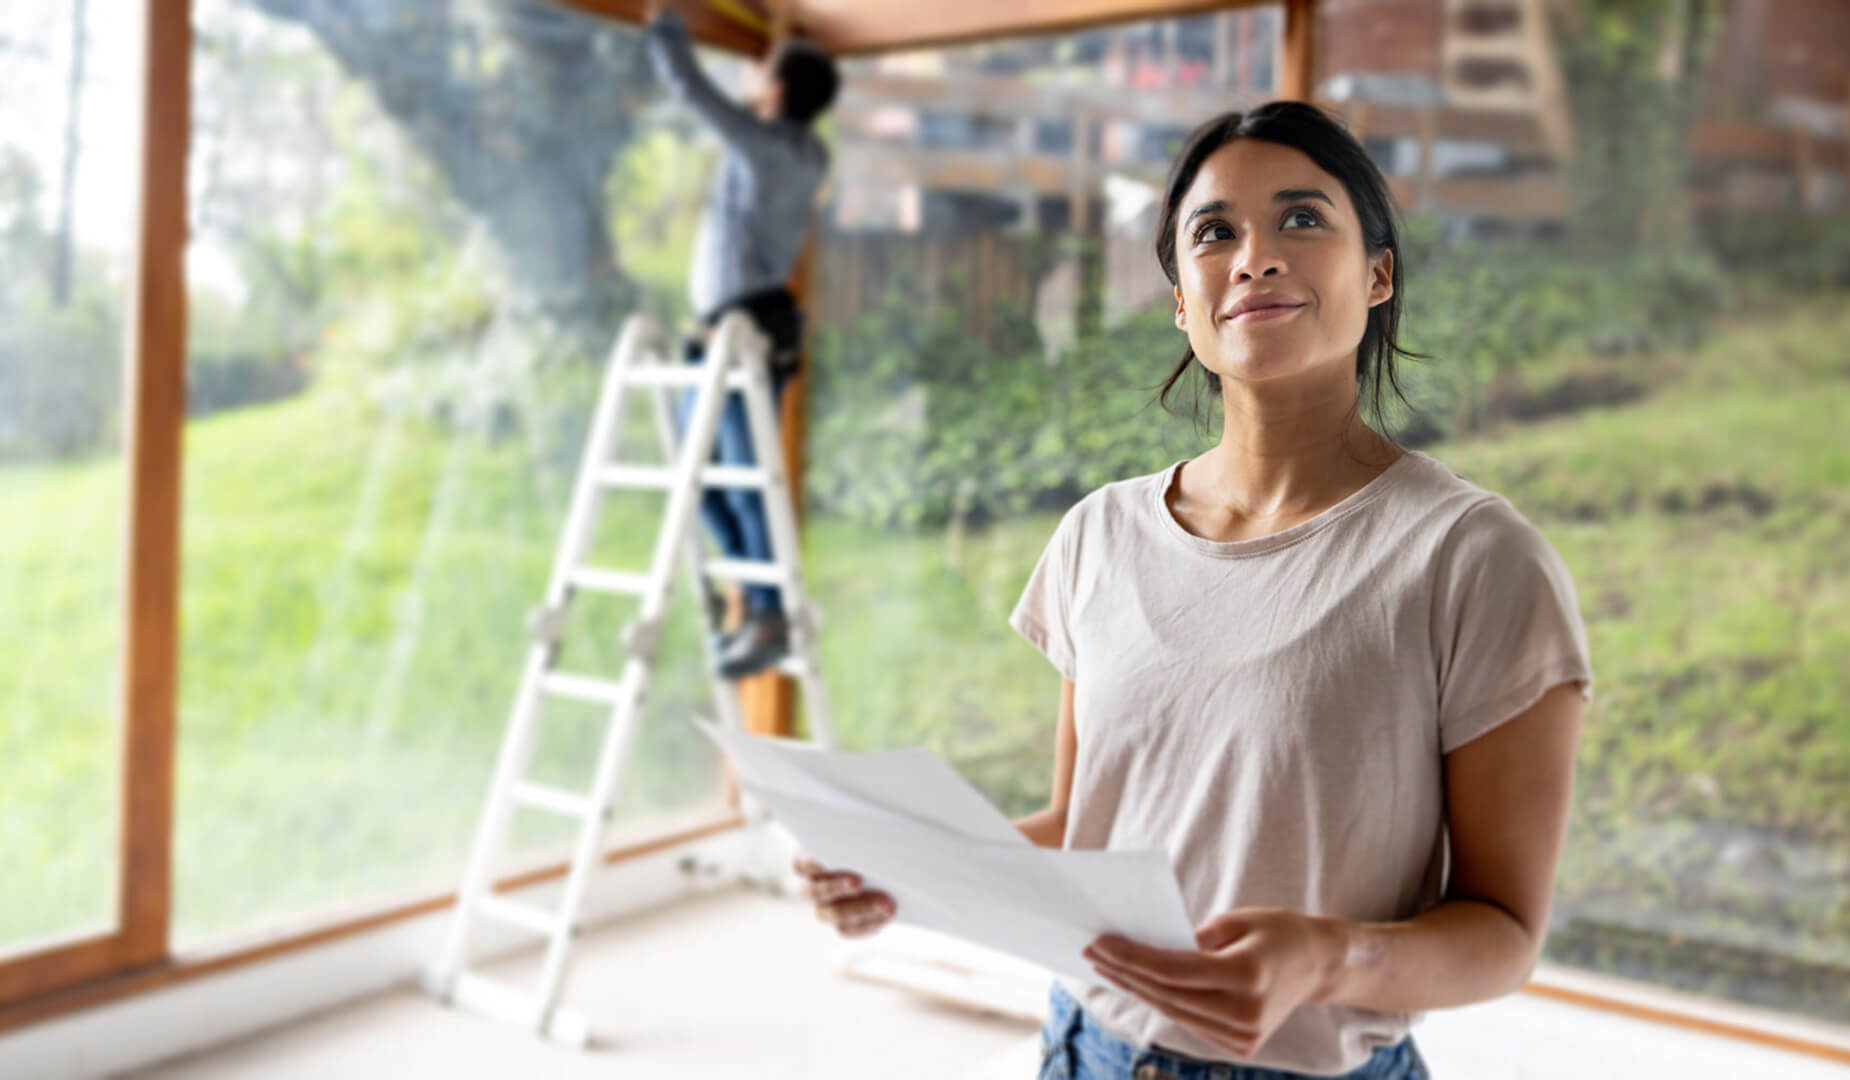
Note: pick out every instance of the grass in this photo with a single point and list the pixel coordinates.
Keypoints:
(355, 586)
(353, 603)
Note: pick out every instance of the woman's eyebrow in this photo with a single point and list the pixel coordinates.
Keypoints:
(1284, 196)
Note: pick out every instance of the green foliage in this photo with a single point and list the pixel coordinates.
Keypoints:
(1488, 310)
(655, 195)
(354, 593)
(235, 359)
(60, 375)
(1798, 250)
(60, 365)
(916, 422)
(1632, 71)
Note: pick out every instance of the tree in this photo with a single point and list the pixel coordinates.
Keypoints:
(521, 106)
(1633, 70)
(67, 177)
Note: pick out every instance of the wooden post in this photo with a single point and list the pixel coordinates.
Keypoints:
(155, 410)
(768, 700)
(1296, 65)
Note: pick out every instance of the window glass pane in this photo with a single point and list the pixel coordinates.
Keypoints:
(1642, 350)
(69, 109)
(415, 240)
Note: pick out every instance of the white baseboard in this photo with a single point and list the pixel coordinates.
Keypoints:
(147, 1028)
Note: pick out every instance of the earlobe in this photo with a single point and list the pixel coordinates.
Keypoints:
(1381, 289)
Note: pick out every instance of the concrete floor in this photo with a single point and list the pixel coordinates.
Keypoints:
(739, 985)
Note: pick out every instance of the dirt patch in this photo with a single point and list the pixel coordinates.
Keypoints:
(1612, 604)
(1717, 497)
(1571, 394)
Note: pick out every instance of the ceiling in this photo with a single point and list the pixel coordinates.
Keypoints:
(856, 27)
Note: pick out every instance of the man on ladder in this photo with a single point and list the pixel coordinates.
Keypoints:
(754, 226)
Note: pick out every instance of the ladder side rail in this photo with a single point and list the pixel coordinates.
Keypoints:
(620, 733)
(640, 332)
(516, 749)
(668, 435)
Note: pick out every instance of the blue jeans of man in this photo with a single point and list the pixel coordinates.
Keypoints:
(736, 518)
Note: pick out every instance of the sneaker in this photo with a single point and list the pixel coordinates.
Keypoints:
(759, 642)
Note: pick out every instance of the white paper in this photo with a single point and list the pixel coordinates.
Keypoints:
(911, 827)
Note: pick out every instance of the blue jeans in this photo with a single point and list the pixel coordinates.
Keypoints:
(735, 517)
(1074, 1047)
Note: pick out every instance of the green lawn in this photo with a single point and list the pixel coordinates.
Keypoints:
(355, 587)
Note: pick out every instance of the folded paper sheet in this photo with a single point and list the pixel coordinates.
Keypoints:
(911, 827)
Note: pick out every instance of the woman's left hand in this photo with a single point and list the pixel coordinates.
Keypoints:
(1254, 966)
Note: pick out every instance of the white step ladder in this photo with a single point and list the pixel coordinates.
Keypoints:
(736, 361)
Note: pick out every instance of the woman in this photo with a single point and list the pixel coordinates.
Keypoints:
(1298, 663)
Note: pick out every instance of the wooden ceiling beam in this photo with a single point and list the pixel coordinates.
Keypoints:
(856, 27)
(708, 26)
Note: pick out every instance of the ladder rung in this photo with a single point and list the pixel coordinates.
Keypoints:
(748, 572)
(662, 477)
(514, 913)
(596, 691)
(621, 582)
(687, 376)
(542, 797)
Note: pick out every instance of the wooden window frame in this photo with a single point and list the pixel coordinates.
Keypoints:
(155, 403)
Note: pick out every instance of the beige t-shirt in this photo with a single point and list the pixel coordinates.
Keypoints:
(1273, 712)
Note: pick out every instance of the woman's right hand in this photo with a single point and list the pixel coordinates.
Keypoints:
(841, 899)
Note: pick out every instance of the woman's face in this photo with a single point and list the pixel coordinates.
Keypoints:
(1262, 218)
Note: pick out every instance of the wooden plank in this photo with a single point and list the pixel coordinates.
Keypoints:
(1762, 145)
(1709, 1016)
(155, 414)
(1525, 198)
(998, 97)
(851, 27)
(707, 26)
(898, 164)
(55, 967)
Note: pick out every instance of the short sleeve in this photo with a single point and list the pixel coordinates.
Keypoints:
(1043, 614)
(1506, 623)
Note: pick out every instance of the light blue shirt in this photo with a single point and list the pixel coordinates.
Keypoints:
(757, 211)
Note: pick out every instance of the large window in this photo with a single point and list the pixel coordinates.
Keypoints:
(403, 290)
(1653, 373)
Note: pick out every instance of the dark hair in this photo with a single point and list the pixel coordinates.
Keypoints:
(1321, 138)
(809, 80)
